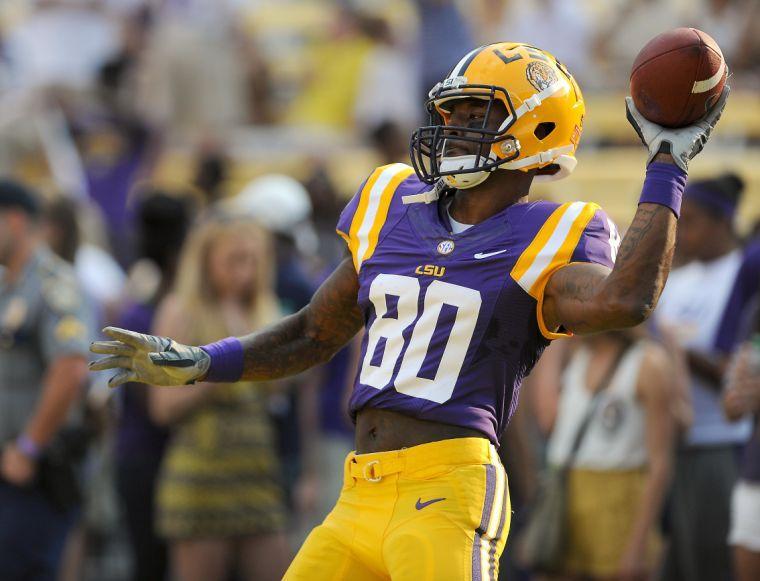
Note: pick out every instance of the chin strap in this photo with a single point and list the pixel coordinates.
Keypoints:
(542, 157)
(426, 197)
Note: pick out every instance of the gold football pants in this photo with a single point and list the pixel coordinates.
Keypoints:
(435, 512)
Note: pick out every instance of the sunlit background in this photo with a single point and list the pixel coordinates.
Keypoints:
(106, 101)
(296, 86)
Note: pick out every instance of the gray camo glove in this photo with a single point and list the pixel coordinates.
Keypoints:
(683, 143)
(148, 359)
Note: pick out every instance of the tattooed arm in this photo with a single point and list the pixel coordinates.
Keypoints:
(585, 298)
(309, 337)
(588, 298)
(312, 335)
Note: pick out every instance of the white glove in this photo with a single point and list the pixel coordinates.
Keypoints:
(148, 359)
(682, 143)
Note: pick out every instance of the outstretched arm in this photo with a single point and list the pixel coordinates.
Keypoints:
(296, 343)
(312, 335)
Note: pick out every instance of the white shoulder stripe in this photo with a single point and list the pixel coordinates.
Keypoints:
(547, 253)
(375, 195)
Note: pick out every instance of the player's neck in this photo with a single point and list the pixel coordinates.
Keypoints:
(500, 190)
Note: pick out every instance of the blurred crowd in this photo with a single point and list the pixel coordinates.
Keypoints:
(177, 167)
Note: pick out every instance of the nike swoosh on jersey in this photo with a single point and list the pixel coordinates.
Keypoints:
(420, 505)
(481, 255)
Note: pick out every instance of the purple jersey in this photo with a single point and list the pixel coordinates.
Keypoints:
(454, 320)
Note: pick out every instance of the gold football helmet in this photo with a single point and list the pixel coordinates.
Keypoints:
(541, 130)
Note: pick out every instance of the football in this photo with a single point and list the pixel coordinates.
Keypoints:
(677, 77)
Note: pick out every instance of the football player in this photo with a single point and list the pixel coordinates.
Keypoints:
(460, 282)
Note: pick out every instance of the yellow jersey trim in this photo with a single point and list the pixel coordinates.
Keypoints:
(551, 335)
(372, 211)
(551, 249)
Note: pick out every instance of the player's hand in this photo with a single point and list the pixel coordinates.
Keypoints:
(683, 143)
(148, 359)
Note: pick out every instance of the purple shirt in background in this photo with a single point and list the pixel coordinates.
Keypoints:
(111, 178)
(334, 418)
(451, 328)
(137, 437)
(739, 322)
(336, 373)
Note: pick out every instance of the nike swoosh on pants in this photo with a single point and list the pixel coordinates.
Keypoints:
(420, 505)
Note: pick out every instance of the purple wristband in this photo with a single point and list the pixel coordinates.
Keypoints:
(664, 185)
(28, 447)
(226, 360)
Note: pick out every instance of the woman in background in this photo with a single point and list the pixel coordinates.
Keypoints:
(220, 500)
(618, 477)
(163, 220)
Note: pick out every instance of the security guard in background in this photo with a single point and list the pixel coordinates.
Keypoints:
(45, 330)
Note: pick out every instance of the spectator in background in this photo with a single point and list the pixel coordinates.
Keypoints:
(326, 404)
(193, 74)
(387, 92)
(444, 37)
(390, 142)
(114, 151)
(101, 277)
(162, 223)
(742, 397)
(690, 308)
(738, 320)
(115, 140)
(738, 334)
(61, 230)
(211, 171)
(45, 330)
(281, 205)
(733, 24)
(61, 43)
(632, 25)
(102, 283)
(562, 27)
(618, 477)
(220, 497)
(325, 198)
(337, 61)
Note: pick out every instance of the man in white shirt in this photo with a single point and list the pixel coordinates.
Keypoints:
(691, 307)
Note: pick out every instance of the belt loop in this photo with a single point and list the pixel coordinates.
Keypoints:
(349, 479)
(370, 474)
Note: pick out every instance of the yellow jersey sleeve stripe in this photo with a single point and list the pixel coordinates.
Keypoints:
(361, 211)
(372, 211)
(553, 246)
(583, 214)
(565, 252)
(382, 211)
(551, 335)
(528, 256)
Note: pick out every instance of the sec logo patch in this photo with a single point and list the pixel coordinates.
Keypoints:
(445, 247)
